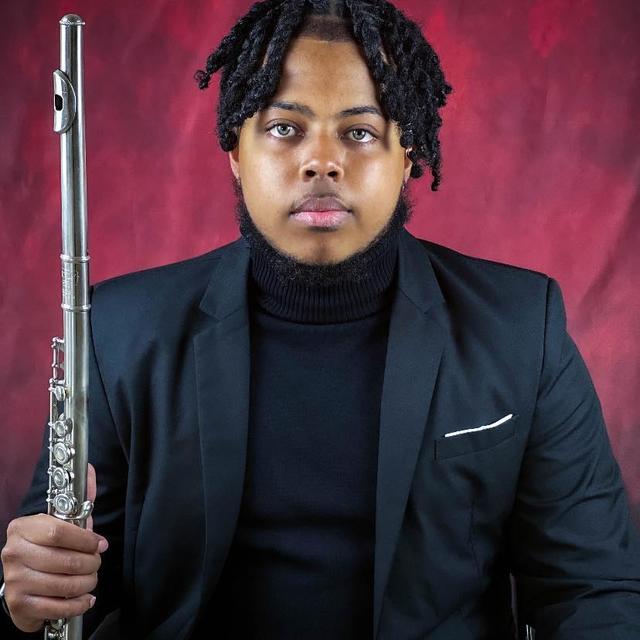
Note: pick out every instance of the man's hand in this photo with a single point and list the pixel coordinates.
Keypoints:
(50, 566)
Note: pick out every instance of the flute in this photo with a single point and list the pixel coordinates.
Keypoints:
(68, 386)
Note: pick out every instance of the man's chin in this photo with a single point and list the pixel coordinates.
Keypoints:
(321, 271)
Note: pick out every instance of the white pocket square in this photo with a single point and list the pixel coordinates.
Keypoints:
(493, 425)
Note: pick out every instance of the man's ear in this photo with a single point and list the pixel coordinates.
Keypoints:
(234, 161)
(234, 156)
(407, 164)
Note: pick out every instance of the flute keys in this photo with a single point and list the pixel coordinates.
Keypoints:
(62, 453)
(64, 504)
(59, 392)
(56, 630)
(62, 427)
(60, 478)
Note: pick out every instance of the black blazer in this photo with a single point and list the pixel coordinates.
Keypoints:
(471, 343)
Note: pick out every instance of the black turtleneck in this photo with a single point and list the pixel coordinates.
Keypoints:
(342, 301)
(301, 565)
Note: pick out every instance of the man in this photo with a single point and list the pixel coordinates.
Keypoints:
(330, 428)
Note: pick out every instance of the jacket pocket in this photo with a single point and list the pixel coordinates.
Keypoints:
(474, 441)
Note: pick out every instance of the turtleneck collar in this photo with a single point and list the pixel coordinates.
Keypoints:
(339, 300)
(359, 286)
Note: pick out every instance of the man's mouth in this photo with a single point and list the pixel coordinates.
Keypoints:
(331, 218)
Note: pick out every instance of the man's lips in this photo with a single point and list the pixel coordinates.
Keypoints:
(322, 218)
(320, 204)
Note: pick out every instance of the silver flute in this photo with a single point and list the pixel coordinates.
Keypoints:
(68, 386)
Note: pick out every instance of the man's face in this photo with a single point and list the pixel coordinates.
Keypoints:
(285, 156)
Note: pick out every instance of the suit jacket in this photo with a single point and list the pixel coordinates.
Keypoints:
(493, 454)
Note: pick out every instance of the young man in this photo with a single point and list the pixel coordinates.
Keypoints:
(330, 428)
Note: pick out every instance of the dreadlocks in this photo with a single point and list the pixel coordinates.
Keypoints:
(406, 69)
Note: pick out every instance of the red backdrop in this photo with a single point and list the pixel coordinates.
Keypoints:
(541, 168)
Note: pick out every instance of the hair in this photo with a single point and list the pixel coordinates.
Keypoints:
(410, 82)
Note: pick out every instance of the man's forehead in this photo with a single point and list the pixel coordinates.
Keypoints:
(313, 41)
(326, 74)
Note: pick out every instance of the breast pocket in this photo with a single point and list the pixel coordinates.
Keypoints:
(475, 439)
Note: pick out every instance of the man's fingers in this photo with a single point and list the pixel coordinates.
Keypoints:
(49, 531)
(56, 585)
(91, 482)
(61, 561)
(50, 566)
(92, 489)
(38, 608)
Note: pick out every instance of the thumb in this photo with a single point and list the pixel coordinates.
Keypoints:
(91, 491)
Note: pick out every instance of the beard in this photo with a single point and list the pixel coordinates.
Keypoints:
(355, 268)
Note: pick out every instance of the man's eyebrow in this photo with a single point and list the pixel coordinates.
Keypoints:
(307, 111)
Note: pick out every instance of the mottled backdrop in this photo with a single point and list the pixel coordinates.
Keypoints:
(541, 166)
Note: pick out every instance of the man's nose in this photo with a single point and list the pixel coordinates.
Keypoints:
(324, 160)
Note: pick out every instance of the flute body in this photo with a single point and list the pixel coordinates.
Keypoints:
(68, 386)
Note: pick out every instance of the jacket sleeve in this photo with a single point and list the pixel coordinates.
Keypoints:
(575, 552)
(108, 455)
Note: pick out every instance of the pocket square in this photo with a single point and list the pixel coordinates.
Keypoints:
(493, 425)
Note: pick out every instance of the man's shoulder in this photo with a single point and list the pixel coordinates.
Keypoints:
(180, 280)
(450, 259)
(165, 297)
(455, 269)
(478, 290)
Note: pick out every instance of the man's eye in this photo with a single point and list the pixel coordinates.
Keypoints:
(282, 131)
(359, 133)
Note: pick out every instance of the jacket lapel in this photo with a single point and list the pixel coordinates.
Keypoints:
(414, 350)
(222, 355)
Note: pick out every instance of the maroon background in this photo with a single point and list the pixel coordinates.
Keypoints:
(541, 169)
